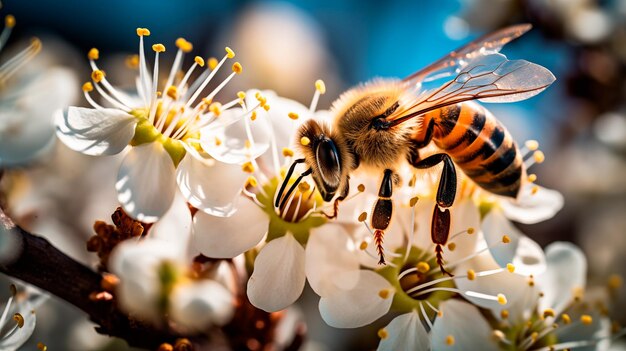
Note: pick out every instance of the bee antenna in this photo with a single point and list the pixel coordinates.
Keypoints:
(286, 180)
(293, 187)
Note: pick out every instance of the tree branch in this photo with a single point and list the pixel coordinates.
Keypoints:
(39, 263)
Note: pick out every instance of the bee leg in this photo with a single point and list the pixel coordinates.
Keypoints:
(440, 227)
(381, 214)
(342, 196)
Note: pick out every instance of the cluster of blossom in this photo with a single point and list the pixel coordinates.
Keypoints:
(202, 178)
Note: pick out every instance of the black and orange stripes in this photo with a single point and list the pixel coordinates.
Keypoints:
(477, 143)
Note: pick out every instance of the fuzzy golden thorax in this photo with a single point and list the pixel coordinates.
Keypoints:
(355, 112)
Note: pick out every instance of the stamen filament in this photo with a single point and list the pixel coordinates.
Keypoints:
(430, 324)
(110, 99)
(205, 82)
(155, 83)
(17, 61)
(91, 101)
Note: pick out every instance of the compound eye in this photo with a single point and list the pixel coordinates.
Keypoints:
(328, 162)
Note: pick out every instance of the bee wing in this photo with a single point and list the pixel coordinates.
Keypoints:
(455, 61)
(489, 78)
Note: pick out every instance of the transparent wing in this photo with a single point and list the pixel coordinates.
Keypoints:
(455, 61)
(489, 78)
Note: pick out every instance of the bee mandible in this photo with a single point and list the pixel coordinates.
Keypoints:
(385, 122)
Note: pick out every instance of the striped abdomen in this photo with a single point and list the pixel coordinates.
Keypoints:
(478, 144)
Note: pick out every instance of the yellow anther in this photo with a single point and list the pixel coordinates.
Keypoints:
(213, 63)
(450, 340)
(501, 299)
(305, 141)
(615, 282)
(257, 95)
(413, 201)
(87, 87)
(534, 336)
(532, 145)
(35, 43)
(423, 267)
(440, 314)
(241, 95)
(578, 293)
(539, 156)
(293, 115)
(237, 68)
(184, 45)
(216, 108)
(41, 346)
(93, 54)
(504, 314)
(510, 267)
(384, 293)
(229, 52)
(506, 239)
(247, 144)
(363, 245)
(471, 275)
(158, 48)
(143, 32)
(247, 167)
(97, 75)
(253, 115)
(382, 333)
(362, 217)
(19, 319)
(548, 312)
(471, 230)
(132, 61)
(218, 141)
(360, 188)
(266, 107)
(304, 187)
(172, 91)
(287, 152)
(199, 60)
(532, 177)
(586, 319)
(566, 318)
(320, 86)
(251, 181)
(9, 21)
(451, 246)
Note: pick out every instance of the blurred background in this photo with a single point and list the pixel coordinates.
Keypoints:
(580, 121)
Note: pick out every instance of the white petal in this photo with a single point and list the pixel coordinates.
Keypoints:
(278, 277)
(210, 188)
(227, 237)
(405, 333)
(532, 207)
(599, 329)
(523, 252)
(175, 226)
(359, 306)
(229, 142)
(330, 252)
(465, 324)
(513, 286)
(21, 335)
(199, 305)
(95, 132)
(566, 271)
(146, 182)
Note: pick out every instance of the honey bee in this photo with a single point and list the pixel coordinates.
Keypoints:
(385, 122)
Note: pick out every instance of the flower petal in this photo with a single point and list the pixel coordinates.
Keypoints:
(358, 306)
(146, 182)
(21, 335)
(534, 204)
(329, 253)
(210, 188)
(523, 252)
(566, 272)
(95, 132)
(513, 286)
(227, 237)
(405, 332)
(199, 305)
(278, 277)
(461, 327)
(228, 139)
(174, 227)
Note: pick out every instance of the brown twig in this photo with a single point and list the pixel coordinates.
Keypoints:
(41, 264)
